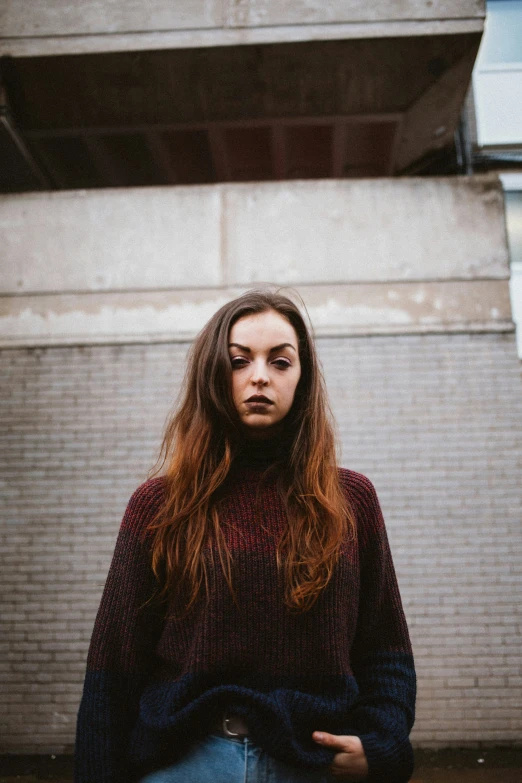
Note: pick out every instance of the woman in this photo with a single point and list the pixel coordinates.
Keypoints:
(251, 626)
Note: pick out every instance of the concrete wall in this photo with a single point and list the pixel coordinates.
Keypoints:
(407, 284)
(60, 26)
(368, 256)
(63, 17)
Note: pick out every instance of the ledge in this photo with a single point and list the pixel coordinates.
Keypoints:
(40, 46)
(177, 316)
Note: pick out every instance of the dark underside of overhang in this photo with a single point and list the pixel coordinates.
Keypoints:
(353, 108)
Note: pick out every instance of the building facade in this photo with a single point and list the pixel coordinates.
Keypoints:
(495, 124)
(160, 160)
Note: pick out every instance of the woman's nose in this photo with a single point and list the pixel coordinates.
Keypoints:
(259, 374)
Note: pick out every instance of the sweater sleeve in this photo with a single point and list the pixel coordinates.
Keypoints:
(121, 649)
(381, 654)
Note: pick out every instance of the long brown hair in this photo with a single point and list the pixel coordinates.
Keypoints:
(200, 442)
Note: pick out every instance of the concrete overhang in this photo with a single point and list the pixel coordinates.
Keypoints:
(74, 27)
(245, 94)
(413, 255)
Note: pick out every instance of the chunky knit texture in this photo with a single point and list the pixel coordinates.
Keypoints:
(154, 683)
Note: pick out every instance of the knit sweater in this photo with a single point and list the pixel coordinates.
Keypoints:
(157, 681)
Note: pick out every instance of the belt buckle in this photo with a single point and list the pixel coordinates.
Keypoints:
(227, 731)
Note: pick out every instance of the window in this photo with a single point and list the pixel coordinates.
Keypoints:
(497, 78)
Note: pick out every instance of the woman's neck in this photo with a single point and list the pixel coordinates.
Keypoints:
(262, 452)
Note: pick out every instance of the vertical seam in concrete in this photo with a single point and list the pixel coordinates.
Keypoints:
(223, 17)
(223, 235)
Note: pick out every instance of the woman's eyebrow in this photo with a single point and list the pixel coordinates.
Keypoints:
(272, 350)
(241, 347)
(283, 345)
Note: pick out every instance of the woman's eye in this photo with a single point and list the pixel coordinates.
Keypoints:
(282, 364)
(238, 362)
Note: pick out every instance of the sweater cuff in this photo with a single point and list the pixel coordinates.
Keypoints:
(389, 760)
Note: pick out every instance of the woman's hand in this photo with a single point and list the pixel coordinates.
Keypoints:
(350, 762)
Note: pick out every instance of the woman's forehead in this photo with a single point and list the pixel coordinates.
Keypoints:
(269, 326)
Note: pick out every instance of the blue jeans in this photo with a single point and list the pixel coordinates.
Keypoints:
(221, 760)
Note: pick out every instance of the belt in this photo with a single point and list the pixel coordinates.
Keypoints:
(230, 725)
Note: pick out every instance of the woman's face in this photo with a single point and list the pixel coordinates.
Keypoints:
(264, 354)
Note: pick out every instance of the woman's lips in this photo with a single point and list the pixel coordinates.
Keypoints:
(258, 400)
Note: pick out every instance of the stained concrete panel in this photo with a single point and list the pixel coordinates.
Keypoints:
(409, 308)
(63, 17)
(164, 316)
(365, 230)
(288, 233)
(110, 240)
(62, 26)
(232, 36)
(279, 12)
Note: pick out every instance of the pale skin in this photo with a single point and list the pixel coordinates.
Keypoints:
(264, 352)
(349, 763)
(266, 369)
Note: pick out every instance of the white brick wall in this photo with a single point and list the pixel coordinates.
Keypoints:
(435, 421)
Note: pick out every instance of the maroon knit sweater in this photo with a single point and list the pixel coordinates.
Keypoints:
(345, 666)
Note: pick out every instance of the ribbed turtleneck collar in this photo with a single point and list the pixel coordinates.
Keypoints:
(261, 453)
